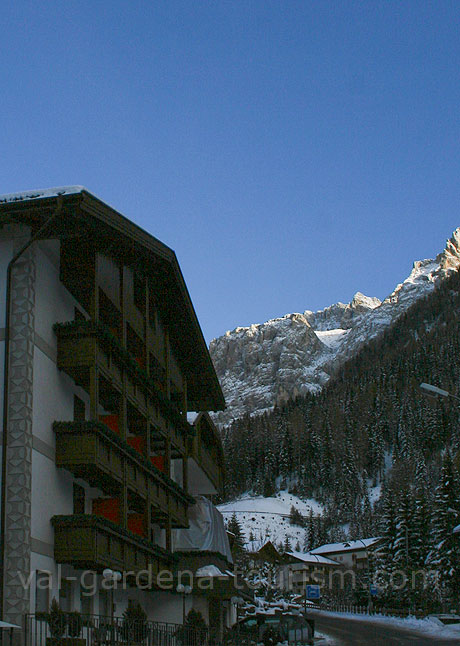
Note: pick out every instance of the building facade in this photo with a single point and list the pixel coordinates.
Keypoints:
(103, 358)
(350, 554)
(304, 569)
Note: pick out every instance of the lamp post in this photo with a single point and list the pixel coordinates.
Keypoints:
(434, 391)
(237, 601)
(184, 590)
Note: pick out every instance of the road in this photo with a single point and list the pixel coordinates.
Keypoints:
(341, 631)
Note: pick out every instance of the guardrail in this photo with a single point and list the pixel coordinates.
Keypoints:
(366, 610)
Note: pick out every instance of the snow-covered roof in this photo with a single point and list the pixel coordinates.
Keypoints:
(308, 557)
(210, 570)
(347, 546)
(41, 193)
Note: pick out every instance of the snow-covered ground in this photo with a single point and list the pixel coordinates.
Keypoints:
(374, 493)
(268, 518)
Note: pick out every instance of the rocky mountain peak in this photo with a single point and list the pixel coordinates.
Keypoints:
(449, 259)
(364, 303)
(267, 363)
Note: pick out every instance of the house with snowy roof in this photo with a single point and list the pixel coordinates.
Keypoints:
(269, 553)
(302, 569)
(350, 554)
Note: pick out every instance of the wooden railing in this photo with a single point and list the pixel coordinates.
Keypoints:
(92, 451)
(91, 542)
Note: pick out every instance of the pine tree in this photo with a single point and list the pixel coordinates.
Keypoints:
(403, 543)
(287, 544)
(446, 553)
(384, 558)
(235, 528)
(421, 525)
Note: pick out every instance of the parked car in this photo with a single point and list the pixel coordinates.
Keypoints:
(269, 629)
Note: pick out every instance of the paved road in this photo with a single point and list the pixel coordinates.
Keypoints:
(347, 632)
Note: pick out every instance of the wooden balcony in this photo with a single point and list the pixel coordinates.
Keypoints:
(88, 451)
(91, 542)
(92, 451)
(85, 344)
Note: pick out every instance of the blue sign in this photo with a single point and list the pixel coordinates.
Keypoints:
(313, 592)
(373, 589)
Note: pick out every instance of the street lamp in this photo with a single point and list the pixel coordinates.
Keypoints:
(184, 590)
(237, 602)
(434, 391)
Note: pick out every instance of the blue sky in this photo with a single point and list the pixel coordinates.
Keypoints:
(291, 152)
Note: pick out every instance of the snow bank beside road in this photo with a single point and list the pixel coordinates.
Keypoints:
(424, 626)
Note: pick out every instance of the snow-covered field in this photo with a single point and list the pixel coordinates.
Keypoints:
(267, 519)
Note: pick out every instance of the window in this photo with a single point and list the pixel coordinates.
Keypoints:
(78, 499)
(42, 591)
(65, 595)
(139, 292)
(105, 603)
(86, 602)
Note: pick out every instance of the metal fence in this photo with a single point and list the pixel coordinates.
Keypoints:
(367, 610)
(72, 629)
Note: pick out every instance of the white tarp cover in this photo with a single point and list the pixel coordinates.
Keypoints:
(206, 532)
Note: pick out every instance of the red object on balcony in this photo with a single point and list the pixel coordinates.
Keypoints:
(158, 461)
(112, 421)
(136, 524)
(137, 442)
(108, 508)
(140, 362)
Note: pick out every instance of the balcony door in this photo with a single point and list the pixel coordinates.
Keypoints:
(105, 603)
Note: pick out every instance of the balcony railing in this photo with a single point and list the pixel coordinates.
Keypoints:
(92, 451)
(92, 542)
(84, 344)
(92, 630)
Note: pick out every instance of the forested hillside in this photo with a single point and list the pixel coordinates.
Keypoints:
(369, 425)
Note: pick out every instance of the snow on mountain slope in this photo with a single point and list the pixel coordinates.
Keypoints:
(264, 364)
(267, 519)
(331, 338)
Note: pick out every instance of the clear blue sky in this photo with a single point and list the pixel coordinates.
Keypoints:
(291, 152)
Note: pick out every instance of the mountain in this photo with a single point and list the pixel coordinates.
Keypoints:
(265, 364)
(369, 434)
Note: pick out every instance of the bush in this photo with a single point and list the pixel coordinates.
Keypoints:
(134, 628)
(56, 620)
(195, 620)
